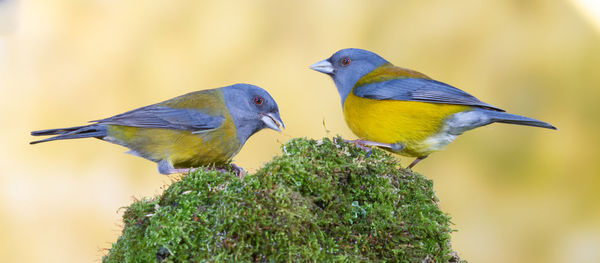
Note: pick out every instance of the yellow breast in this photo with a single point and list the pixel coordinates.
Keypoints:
(391, 121)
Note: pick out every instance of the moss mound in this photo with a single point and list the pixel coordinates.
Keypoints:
(322, 201)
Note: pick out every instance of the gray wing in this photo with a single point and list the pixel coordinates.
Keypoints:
(154, 116)
(415, 89)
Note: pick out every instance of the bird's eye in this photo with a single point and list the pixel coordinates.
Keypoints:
(345, 61)
(258, 100)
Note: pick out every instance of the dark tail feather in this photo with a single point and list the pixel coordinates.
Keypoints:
(56, 131)
(94, 130)
(496, 116)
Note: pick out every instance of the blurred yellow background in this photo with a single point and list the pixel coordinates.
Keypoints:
(516, 194)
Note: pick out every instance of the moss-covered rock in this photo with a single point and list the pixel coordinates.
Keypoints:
(320, 201)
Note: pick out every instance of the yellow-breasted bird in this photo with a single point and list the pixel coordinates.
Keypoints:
(403, 110)
(201, 128)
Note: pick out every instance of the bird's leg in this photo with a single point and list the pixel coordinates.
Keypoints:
(164, 167)
(182, 170)
(359, 143)
(239, 171)
(411, 165)
(396, 147)
(363, 144)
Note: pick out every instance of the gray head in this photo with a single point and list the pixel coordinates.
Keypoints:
(252, 109)
(347, 66)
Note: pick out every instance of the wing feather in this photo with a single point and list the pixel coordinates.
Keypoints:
(418, 89)
(162, 117)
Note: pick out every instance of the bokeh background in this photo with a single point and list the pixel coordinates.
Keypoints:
(516, 194)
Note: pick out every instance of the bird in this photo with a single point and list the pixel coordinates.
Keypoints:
(201, 128)
(405, 111)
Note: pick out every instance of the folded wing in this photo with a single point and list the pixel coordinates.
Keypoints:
(162, 117)
(417, 89)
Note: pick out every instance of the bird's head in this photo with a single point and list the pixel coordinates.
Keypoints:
(347, 66)
(252, 109)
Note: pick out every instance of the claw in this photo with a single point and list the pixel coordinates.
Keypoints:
(239, 171)
(360, 144)
(368, 153)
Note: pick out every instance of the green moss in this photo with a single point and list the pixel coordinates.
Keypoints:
(320, 201)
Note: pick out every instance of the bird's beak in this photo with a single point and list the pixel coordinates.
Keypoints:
(273, 121)
(323, 66)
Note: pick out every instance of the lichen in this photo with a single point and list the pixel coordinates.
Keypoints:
(319, 201)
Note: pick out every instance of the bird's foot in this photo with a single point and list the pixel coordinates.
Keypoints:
(360, 144)
(164, 167)
(365, 145)
(239, 171)
(183, 170)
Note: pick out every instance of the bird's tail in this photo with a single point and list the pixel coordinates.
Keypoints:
(93, 130)
(497, 116)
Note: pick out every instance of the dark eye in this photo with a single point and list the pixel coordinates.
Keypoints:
(258, 100)
(345, 61)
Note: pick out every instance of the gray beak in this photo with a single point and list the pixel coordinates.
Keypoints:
(273, 121)
(323, 66)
